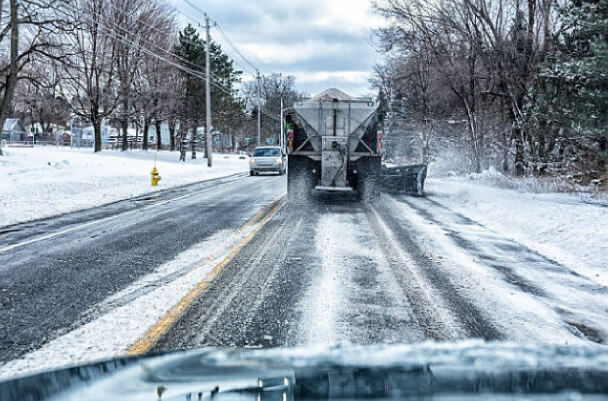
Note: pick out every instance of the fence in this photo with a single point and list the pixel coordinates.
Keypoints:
(31, 144)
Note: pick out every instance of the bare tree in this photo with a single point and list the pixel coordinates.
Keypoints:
(174, 82)
(449, 35)
(38, 99)
(273, 88)
(31, 29)
(384, 82)
(90, 77)
(136, 24)
(487, 53)
(12, 71)
(158, 80)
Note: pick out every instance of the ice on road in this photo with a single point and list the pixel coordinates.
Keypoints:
(354, 289)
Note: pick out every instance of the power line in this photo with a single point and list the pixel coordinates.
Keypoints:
(268, 114)
(172, 54)
(216, 84)
(121, 37)
(194, 73)
(223, 34)
(244, 67)
(202, 75)
(194, 6)
(227, 39)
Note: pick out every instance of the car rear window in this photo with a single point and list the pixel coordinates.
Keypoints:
(266, 152)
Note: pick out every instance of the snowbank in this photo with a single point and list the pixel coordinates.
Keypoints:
(592, 192)
(571, 229)
(45, 181)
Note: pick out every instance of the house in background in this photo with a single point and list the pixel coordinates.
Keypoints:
(14, 131)
(53, 134)
(82, 134)
(165, 136)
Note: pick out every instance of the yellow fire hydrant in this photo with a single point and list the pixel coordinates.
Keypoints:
(155, 177)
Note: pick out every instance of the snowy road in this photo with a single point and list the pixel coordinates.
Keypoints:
(58, 274)
(403, 270)
(90, 285)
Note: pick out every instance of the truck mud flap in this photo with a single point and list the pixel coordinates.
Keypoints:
(404, 179)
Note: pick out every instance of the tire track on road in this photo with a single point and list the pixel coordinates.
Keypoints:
(52, 289)
(442, 313)
(251, 303)
(354, 297)
(580, 304)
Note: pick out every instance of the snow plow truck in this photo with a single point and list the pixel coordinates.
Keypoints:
(334, 145)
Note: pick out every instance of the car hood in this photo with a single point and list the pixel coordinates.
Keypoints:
(463, 371)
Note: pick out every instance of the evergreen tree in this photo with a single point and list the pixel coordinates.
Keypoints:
(224, 104)
(573, 87)
(191, 54)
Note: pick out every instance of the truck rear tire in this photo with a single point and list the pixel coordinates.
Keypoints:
(299, 179)
(369, 171)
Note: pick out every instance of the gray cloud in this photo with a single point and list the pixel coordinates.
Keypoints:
(323, 44)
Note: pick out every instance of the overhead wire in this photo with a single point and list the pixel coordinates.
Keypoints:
(227, 39)
(224, 35)
(125, 40)
(234, 47)
(170, 53)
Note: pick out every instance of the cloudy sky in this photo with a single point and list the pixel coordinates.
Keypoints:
(324, 43)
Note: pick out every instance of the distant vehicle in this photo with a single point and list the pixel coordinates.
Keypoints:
(267, 159)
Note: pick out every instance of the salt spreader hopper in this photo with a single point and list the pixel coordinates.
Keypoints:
(334, 145)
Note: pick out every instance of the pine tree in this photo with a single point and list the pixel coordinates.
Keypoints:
(573, 87)
(191, 53)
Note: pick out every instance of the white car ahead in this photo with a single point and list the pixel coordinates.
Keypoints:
(267, 159)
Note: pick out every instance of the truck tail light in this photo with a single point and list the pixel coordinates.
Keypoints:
(290, 139)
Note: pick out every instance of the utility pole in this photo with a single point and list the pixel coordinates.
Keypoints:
(282, 138)
(259, 112)
(208, 95)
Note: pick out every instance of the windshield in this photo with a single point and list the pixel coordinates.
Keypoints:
(266, 152)
(302, 175)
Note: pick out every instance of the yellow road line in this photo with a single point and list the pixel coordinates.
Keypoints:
(255, 218)
(155, 332)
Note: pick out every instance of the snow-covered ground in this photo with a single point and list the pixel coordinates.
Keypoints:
(45, 181)
(571, 229)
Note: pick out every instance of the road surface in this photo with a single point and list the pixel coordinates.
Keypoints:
(400, 270)
(53, 271)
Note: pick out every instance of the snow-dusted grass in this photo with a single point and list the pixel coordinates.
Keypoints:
(45, 181)
(564, 227)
